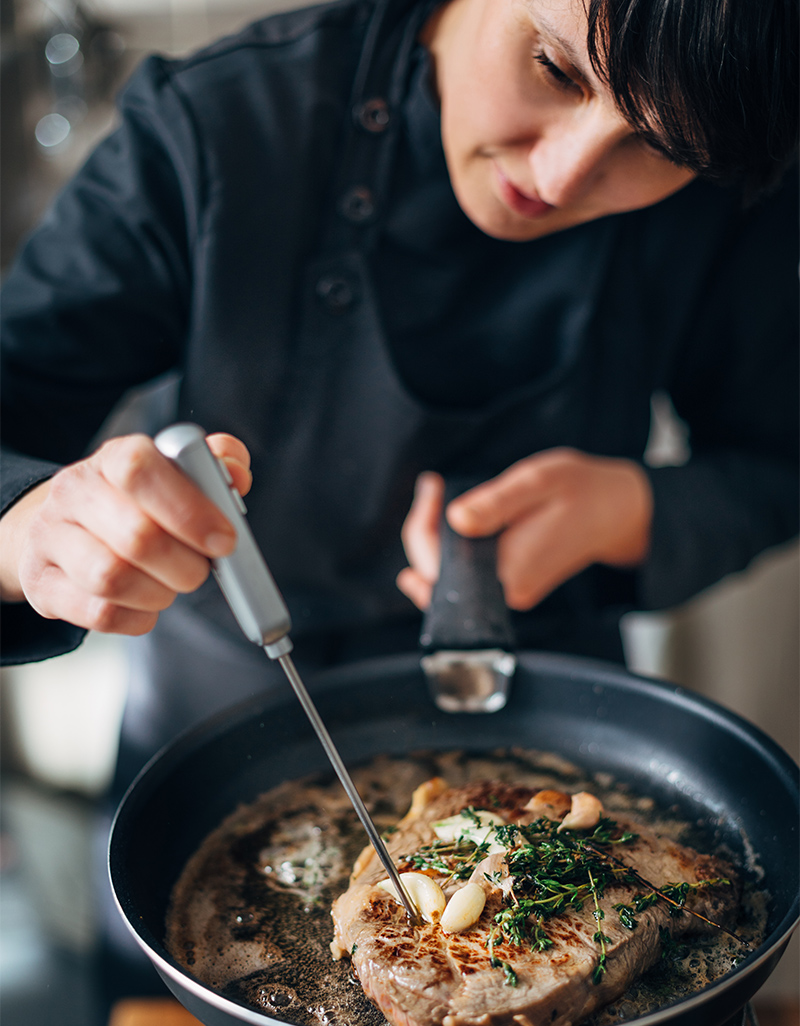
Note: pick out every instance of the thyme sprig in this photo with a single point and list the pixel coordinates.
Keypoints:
(455, 860)
(599, 937)
(674, 895)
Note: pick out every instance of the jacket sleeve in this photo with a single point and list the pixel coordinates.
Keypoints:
(734, 380)
(97, 302)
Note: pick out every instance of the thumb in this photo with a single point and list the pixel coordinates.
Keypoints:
(236, 457)
(492, 506)
(475, 514)
(481, 511)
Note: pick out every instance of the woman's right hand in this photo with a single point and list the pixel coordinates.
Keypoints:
(109, 541)
(555, 513)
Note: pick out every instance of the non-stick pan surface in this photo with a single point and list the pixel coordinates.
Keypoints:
(662, 741)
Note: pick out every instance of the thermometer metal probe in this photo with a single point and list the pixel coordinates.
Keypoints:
(254, 599)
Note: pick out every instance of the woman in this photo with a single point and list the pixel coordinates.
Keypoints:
(382, 243)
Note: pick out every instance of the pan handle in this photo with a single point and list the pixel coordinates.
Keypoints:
(467, 609)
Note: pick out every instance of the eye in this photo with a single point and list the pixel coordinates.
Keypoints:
(656, 149)
(557, 77)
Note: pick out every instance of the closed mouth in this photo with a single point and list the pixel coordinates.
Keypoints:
(527, 204)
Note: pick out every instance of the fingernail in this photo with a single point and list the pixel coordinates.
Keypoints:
(461, 515)
(427, 483)
(219, 544)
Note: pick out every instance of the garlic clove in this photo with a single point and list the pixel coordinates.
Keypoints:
(425, 893)
(584, 813)
(549, 804)
(471, 829)
(464, 908)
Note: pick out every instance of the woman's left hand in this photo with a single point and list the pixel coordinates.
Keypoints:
(555, 513)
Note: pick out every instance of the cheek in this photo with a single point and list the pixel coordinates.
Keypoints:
(466, 112)
(673, 184)
(643, 183)
(664, 178)
(484, 89)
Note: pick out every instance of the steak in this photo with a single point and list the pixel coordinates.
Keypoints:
(520, 963)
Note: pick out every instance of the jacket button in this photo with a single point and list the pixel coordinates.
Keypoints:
(358, 204)
(336, 291)
(373, 115)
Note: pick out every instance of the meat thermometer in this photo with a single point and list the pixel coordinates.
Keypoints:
(250, 591)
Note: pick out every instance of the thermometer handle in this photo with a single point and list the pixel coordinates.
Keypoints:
(243, 577)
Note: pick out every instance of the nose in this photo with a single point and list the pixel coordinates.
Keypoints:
(573, 156)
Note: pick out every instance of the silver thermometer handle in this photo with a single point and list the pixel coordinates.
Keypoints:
(243, 577)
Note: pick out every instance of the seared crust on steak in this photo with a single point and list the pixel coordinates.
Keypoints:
(421, 976)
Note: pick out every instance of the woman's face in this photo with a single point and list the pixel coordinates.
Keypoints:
(533, 140)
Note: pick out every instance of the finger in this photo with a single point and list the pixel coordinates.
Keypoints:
(489, 507)
(58, 598)
(415, 587)
(537, 555)
(108, 618)
(236, 457)
(97, 570)
(125, 536)
(163, 492)
(420, 532)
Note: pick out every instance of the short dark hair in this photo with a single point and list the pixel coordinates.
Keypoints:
(713, 83)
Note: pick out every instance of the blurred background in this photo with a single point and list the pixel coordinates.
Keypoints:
(61, 65)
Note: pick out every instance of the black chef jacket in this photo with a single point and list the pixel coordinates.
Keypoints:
(273, 221)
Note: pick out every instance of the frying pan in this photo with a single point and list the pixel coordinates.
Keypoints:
(681, 749)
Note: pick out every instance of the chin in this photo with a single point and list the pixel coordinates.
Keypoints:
(508, 227)
(518, 232)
